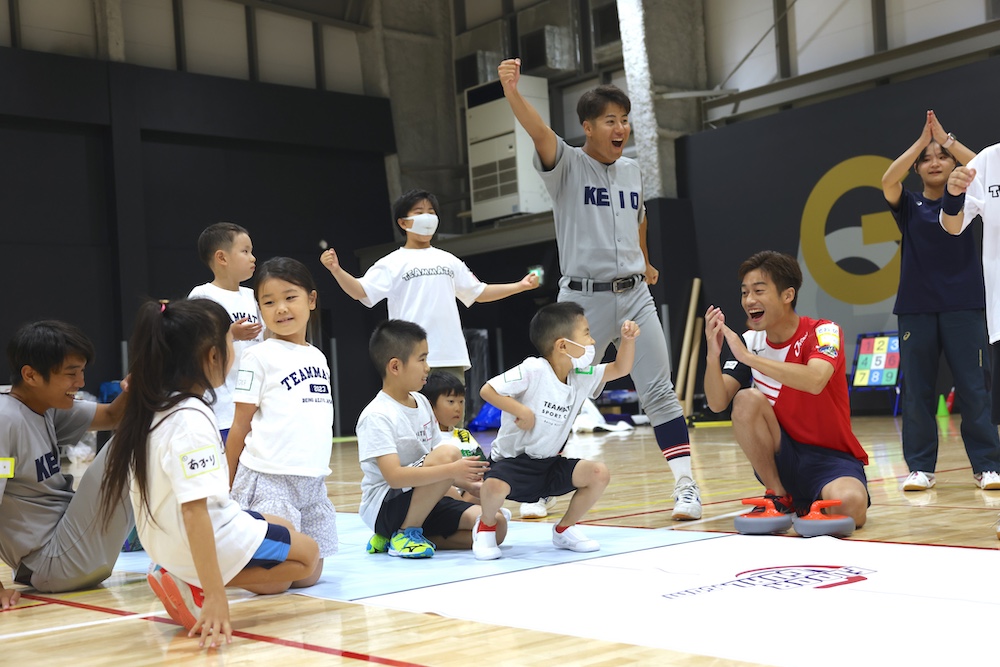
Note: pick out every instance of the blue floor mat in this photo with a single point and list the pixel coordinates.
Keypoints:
(353, 574)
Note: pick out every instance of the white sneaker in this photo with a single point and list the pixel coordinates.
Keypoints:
(918, 481)
(988, 481)
(506, 513)
(484, 544)
(687, 500)
(573, 539)
(539, 509)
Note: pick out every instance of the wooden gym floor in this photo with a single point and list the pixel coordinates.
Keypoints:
(123, 623)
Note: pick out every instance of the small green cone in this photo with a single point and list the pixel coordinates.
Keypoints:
(942, 410)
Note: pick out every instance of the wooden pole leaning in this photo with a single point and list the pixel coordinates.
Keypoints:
(692, 371)
(682, 364)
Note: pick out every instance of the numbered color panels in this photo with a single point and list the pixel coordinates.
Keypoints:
(878, 360)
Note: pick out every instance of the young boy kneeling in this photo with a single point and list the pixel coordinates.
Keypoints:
(540, 399)
(406, 475)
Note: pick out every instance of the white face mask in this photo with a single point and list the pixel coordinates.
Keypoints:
(584, 361)
(424, 224)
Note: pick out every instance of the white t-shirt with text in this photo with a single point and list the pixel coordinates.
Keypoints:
(238, 304)
(291, 433)
(555, 405)
(421, 286)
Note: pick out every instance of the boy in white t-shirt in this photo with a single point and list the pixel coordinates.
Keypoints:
(421, 283)
(226, 249)
(540, 399)
(406, 474)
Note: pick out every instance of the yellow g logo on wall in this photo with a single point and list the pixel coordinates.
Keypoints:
(864, 171)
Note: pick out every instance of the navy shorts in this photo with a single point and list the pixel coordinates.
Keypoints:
(442, 521)
(531, 479)
(805, 469)
(274, 549)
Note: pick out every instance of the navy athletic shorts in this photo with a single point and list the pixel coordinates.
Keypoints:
(806, 469)
(274, 549)
(442, 520)
(531, 479)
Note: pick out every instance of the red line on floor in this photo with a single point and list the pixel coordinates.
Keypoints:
(315, 648)
(26, 606)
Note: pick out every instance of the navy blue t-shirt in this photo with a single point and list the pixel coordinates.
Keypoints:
(939, 272)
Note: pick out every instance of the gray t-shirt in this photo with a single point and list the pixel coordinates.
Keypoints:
(33, 501)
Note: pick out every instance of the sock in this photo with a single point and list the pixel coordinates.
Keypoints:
(681, 467)
(483, 528)
(560, 529)
(673, 440)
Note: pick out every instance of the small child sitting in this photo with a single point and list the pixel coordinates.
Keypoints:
(406, 474)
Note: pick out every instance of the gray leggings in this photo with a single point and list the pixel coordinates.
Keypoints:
(81, 552)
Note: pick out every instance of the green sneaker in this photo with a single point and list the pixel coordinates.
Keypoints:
(378, 544)
(411, 543)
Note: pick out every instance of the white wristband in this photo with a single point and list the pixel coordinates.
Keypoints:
(951, 140)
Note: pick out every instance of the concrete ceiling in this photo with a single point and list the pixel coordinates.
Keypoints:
(336, 12)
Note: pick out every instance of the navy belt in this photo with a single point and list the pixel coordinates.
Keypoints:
(617, 285)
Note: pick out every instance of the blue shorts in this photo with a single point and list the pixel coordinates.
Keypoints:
(805, 469)
(274, 549)
(224, 434)
(530, 479)
(441, 522)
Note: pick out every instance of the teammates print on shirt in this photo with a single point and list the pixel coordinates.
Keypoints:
(290, 385)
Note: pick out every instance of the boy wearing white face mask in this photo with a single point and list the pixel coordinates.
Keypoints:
(540, 398)
(421, 282)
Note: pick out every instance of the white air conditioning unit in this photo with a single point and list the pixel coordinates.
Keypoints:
(503, 180)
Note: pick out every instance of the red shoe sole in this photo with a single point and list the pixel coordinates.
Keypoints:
(165, 600)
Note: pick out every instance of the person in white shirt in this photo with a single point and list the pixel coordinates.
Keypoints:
(407, 471)
(540, 398)
(974, 190)
(282, 437)
(226, 249)
(421, 283)
(168, 455)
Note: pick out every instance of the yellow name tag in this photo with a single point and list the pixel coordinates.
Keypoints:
(6, 468)
(200, 461)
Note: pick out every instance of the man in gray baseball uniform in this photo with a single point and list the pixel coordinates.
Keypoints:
(53, 537)
(600, 219)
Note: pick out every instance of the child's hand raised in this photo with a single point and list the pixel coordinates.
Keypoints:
(330, 260)
(630, 330)
(530, 281)
(244, 330)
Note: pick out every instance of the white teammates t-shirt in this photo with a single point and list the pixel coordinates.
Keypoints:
(597, 210)
(555, 405)
(238, 304)
(982, 197)
(421, 286)
(291, 431)
(186, 463)
(386, 426)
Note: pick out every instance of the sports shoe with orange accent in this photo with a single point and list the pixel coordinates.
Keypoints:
(181, 600)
